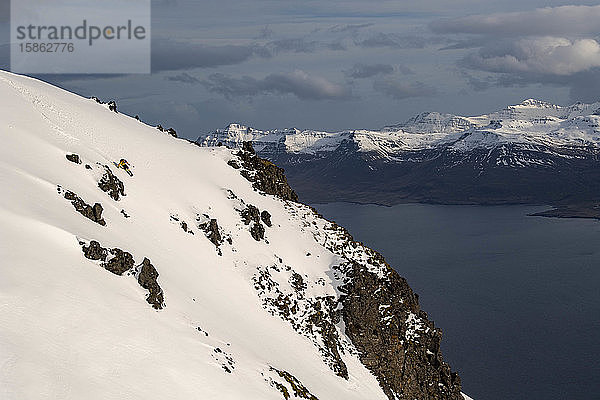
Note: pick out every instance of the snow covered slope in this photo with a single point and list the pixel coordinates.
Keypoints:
(184, 280)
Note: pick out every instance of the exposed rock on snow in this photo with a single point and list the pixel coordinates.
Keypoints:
(266, 218)
(112, 185)
(297, 389)
(118, 262)
(147, 279)
(94, 251)
(210, 226)
(74, 158)
(265, 176)
(114, 260)
(252, 216)
(93, 213)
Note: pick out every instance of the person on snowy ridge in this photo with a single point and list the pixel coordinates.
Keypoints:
(124, 164)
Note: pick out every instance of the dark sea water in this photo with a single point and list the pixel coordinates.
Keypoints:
(517, 297)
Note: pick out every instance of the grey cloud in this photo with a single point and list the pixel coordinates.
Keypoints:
(294, 45)
(298, 83)
(471, 43)
(546, 55)
(184, 77)
(4, 11)
(170, 55)
(350, 28)
(403, 69)
(396, 41)
(265, 33)
(4, 56)
(401, 90)
(583, 86)
(564, 20)
(359, 71)
(479, 84)
(336, 46)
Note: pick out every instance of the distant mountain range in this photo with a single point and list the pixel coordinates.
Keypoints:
(530, 153)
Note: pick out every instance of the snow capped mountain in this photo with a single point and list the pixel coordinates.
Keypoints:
(531, 122)
(198, 275)
(533, 144)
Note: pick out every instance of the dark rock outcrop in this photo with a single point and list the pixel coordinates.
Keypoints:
(170, 131)
(119, 262)
(393, 336)
(147, 279)
(265, 217)
(211, 230)
(402, 349)
(112, 105)
(252, 216)
(299, 390)
(315, 317)
(74, 158)
(264, 175)
(93, 213)
(185, 228)
(95, 252)
(257, 231)
(112, 185)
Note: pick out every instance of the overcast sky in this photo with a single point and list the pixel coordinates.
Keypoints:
(337, 65)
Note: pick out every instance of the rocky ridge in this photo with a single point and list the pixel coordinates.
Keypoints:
(383, 321)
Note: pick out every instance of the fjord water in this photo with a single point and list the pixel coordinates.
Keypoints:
(517, 297)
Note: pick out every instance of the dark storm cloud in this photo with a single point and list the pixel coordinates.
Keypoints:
(583, 86)
(168, 55)
(359, 71)
(563, 20)
(400, 90)
(297, 83)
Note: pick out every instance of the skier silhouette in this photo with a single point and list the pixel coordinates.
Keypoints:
(124, 165)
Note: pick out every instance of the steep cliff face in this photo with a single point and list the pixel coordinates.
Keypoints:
(199, 275)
